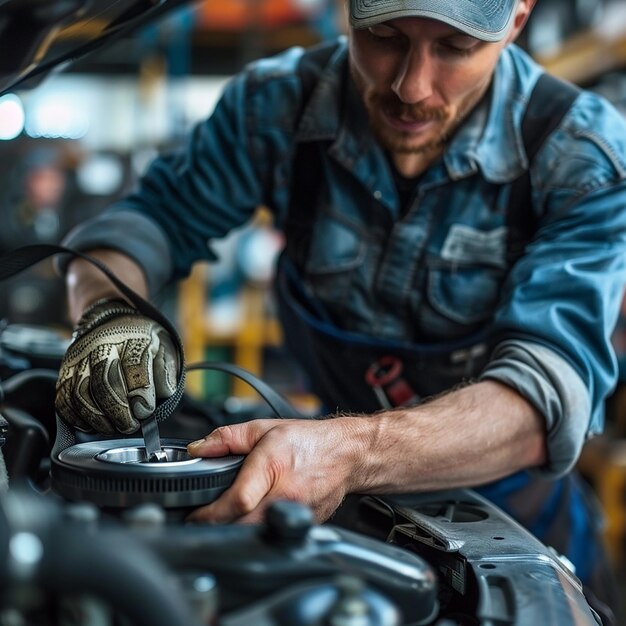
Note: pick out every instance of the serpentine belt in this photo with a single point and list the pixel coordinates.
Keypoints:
(17, 260)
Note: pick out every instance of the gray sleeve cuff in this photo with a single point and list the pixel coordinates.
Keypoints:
(550, 383)
(130, 233)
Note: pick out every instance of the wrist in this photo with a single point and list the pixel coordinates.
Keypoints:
(87, 284)
(362, 432)
(390, 456)
(101, 311)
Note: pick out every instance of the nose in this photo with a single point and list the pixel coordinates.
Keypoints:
(413, 81)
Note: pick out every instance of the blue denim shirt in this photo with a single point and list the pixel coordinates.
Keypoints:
(431, 272)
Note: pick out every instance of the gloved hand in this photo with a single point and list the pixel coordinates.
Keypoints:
(116, 368)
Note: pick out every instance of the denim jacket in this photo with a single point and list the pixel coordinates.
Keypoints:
(434, 271)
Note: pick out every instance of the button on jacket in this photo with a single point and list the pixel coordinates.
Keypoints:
(431, 271)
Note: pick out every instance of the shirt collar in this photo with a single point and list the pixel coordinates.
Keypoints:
(350, 141)
(490, 139)
(321, 117)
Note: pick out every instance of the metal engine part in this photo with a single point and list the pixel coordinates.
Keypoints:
(116, 473)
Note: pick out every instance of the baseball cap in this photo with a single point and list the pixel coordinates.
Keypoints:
(488, 20)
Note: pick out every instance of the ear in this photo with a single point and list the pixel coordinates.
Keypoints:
(523, 11)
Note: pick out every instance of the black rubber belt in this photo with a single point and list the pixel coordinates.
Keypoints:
(22, 258)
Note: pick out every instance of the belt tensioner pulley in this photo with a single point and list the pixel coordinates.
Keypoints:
(117, 473)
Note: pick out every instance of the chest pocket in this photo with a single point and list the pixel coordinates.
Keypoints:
(464, 280)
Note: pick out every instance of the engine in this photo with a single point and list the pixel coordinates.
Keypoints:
(94, 533)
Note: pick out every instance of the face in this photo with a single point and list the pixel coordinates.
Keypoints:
(419, 78)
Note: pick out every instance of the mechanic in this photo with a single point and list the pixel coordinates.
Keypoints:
(455, 338)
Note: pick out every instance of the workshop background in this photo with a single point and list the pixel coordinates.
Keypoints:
(82, 138)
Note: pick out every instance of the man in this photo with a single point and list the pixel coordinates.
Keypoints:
(391, 166)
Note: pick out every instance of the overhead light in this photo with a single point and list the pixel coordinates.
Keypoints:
(101, 175)
(56, 118)
(11, 117)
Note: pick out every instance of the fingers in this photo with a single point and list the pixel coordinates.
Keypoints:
(80, 381)
(165, 366)
(108, 386)
(63, 402)
(242, 500)
(235, 439)
(254, 480)
(150, 367)
(307, 461)
(136, 362)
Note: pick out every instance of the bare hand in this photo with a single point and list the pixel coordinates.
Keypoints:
(311, 461)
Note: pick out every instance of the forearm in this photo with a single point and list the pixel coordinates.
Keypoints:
(86, 283)
(467, 437)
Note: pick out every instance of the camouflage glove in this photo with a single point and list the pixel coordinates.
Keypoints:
(116, 368)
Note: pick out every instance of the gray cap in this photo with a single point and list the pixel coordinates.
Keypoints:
(488, 20)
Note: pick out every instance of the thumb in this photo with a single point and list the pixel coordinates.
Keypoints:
(233, 439)
(165, 365)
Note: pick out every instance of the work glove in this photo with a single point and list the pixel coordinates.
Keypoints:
(118, 365)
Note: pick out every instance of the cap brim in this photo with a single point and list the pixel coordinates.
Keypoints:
(488, 20)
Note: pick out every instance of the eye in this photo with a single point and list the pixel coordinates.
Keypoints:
(458, 48)
(382, 31)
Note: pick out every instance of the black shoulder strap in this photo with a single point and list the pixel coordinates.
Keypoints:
(17, 260)
(306, 171)
(311, 64)
(550, 100)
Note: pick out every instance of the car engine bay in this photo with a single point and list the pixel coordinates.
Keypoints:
(95, 534)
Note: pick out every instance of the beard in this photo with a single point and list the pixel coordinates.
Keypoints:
(381, 106)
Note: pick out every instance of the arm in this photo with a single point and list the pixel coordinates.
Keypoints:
(533, 406)
(319, 462)
(184, 201)
(496, 432)
(150, 239)
(119, 363)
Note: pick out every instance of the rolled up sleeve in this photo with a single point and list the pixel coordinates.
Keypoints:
(555, 389)
(130, 233)
(558, 310)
